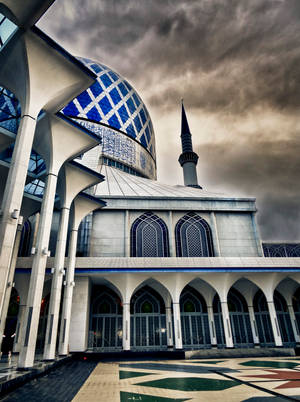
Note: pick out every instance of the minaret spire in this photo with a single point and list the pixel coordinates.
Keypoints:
(188, 159)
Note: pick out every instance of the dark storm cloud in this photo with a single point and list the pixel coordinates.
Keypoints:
(238, 53)
(267, 171)
(235, 62)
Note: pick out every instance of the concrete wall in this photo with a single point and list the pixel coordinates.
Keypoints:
(236, 234)
(110, 236)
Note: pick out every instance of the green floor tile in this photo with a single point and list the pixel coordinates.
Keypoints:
(131, 374)
(129, 396)
(190, 384)
(258, 363)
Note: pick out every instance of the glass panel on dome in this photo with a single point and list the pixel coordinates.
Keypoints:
(113, 75)
(130, 131)
(136, 99)
(143, 116)
(71, 109)
(96, 89)
(96, 68)
(93, 114)
(137, 123)
(84, 99)
(143, 141)
(147, 132)
(106, 80)
(105, 105)
(115, 96)
(123, 89)
(131, 106)
(7, 28)
(114, 121)
(123, 114)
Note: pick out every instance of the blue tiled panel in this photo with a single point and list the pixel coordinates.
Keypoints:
(136, 99)
(115, 96)
(114, 122)
(113, 75)
(105, 105)
(106, 80)
(93, 114)
(131, 106)
(147, 132)
(123, 89)
(143, 141)
(143, 116)
(84, 99)
(71, 110)
(96, 89)
(123, 113)
(137, 123)
(130, 131)
(96, 68)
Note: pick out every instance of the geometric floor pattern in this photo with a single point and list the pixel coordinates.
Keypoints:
(228, 380)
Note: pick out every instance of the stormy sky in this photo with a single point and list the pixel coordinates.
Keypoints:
(237, 66)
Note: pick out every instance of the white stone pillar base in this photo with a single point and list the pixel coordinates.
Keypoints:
(227, 325)
(212, 327)
(177, 325)
(170, 340)
(126, 326)
(274, 323)
(64, 336)
(253, 326)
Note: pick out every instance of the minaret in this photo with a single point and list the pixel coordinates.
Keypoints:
(188, 159)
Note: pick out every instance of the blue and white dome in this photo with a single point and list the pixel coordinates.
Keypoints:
(113, 109)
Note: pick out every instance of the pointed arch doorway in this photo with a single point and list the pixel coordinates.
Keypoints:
(148, 320)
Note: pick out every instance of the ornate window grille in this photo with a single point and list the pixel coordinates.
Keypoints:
(193, 237)
(149, 237)
(281, 249)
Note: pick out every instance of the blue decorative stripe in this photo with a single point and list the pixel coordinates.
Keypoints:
(139, 270)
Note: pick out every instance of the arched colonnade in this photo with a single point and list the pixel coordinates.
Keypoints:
(180, 311)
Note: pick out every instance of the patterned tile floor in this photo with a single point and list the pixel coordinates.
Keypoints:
(227, 380)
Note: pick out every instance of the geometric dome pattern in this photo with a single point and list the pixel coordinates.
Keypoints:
(111, 100)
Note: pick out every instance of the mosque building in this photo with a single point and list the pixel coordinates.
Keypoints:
(95, 254)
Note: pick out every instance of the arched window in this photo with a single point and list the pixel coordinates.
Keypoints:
(149, 237)
(193, 237)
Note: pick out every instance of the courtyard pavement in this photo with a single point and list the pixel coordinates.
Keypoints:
(209, 380)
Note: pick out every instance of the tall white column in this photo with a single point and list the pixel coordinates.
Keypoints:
(170, 341)
(253, 325)
(274, 323)
(126, 326)
(32, 313)
(294, 323)
(227, 325)
(212, 327)
(177, 325)
(12, 197)
(10, 280)
(54, 305)
(172, 246)
(64, 335)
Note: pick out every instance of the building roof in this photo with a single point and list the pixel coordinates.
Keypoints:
(121, 184)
